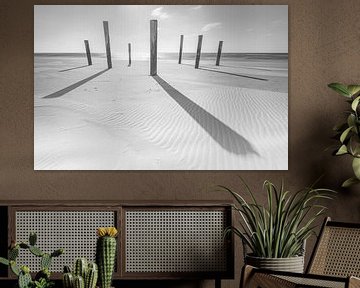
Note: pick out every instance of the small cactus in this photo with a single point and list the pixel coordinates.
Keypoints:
(79, 282)
(45, 261)
(32, 238)
(24, 245)
(67, 269)
(13, 253)
(80, 267)
(25, 269)
(14, 268)
(106, 254)
(91, 276)
(24, 277)
(68, 280)
(57, 252)
(36, 251)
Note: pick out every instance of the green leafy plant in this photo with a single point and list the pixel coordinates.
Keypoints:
(42, 278)
(279, 229)
(348, 132)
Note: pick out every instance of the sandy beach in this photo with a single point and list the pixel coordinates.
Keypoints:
(231, 117)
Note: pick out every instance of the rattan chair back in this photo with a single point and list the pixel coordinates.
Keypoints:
(337, 252)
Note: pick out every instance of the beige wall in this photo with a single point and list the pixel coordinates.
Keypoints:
(324, 46)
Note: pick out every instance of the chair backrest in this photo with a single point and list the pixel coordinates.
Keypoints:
(337, 251)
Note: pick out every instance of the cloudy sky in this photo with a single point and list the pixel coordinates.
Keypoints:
(243, 28)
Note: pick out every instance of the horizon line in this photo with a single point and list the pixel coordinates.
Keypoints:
(175, 52)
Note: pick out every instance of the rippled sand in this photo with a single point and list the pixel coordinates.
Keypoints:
(232, 117)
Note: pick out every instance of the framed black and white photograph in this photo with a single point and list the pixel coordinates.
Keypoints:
(172, 87)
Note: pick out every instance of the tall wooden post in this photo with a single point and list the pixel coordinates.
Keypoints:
(181, 48)
(198, 52)
(219, 53)
(88, 54)
(153, 47)
(129, 48)
(107, 43)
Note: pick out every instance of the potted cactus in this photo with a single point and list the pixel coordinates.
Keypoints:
(84, 275)
(42, 278)
(106, 254)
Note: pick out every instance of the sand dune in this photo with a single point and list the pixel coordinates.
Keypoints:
(183, 119)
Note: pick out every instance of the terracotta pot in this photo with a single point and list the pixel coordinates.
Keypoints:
(291, 264)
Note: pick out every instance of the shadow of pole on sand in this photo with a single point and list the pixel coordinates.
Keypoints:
(220, 132)
(74, 68)
(228, 73)
(74, 86)
(233, 74)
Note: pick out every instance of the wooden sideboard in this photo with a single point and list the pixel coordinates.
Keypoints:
(157, 240)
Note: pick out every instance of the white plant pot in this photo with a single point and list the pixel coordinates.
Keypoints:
(291, 264)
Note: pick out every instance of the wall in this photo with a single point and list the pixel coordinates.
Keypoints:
(324, 41)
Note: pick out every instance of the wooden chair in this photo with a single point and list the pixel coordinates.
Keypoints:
(335, 262)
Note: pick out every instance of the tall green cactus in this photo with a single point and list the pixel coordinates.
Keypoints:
(106, 254)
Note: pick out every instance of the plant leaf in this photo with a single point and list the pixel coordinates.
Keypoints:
(356, 167)
(349, 182)
(345, 134)
(351, 120)
(355, 103)
(353, 89)
(340, 88)
(342, 150)
(4, 261)
(354, 144)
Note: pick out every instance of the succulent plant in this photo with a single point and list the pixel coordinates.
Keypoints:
(42, 278)
(85, 275)
(106, 254)
(42, 283)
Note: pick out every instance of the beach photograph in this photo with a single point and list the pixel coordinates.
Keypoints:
(160, 87)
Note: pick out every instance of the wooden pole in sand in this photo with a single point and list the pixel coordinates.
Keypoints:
(153, 47)
(129, 48)
(107, 43)
(181, 47)
(88, 54)
(219, 53)
(198, 52)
